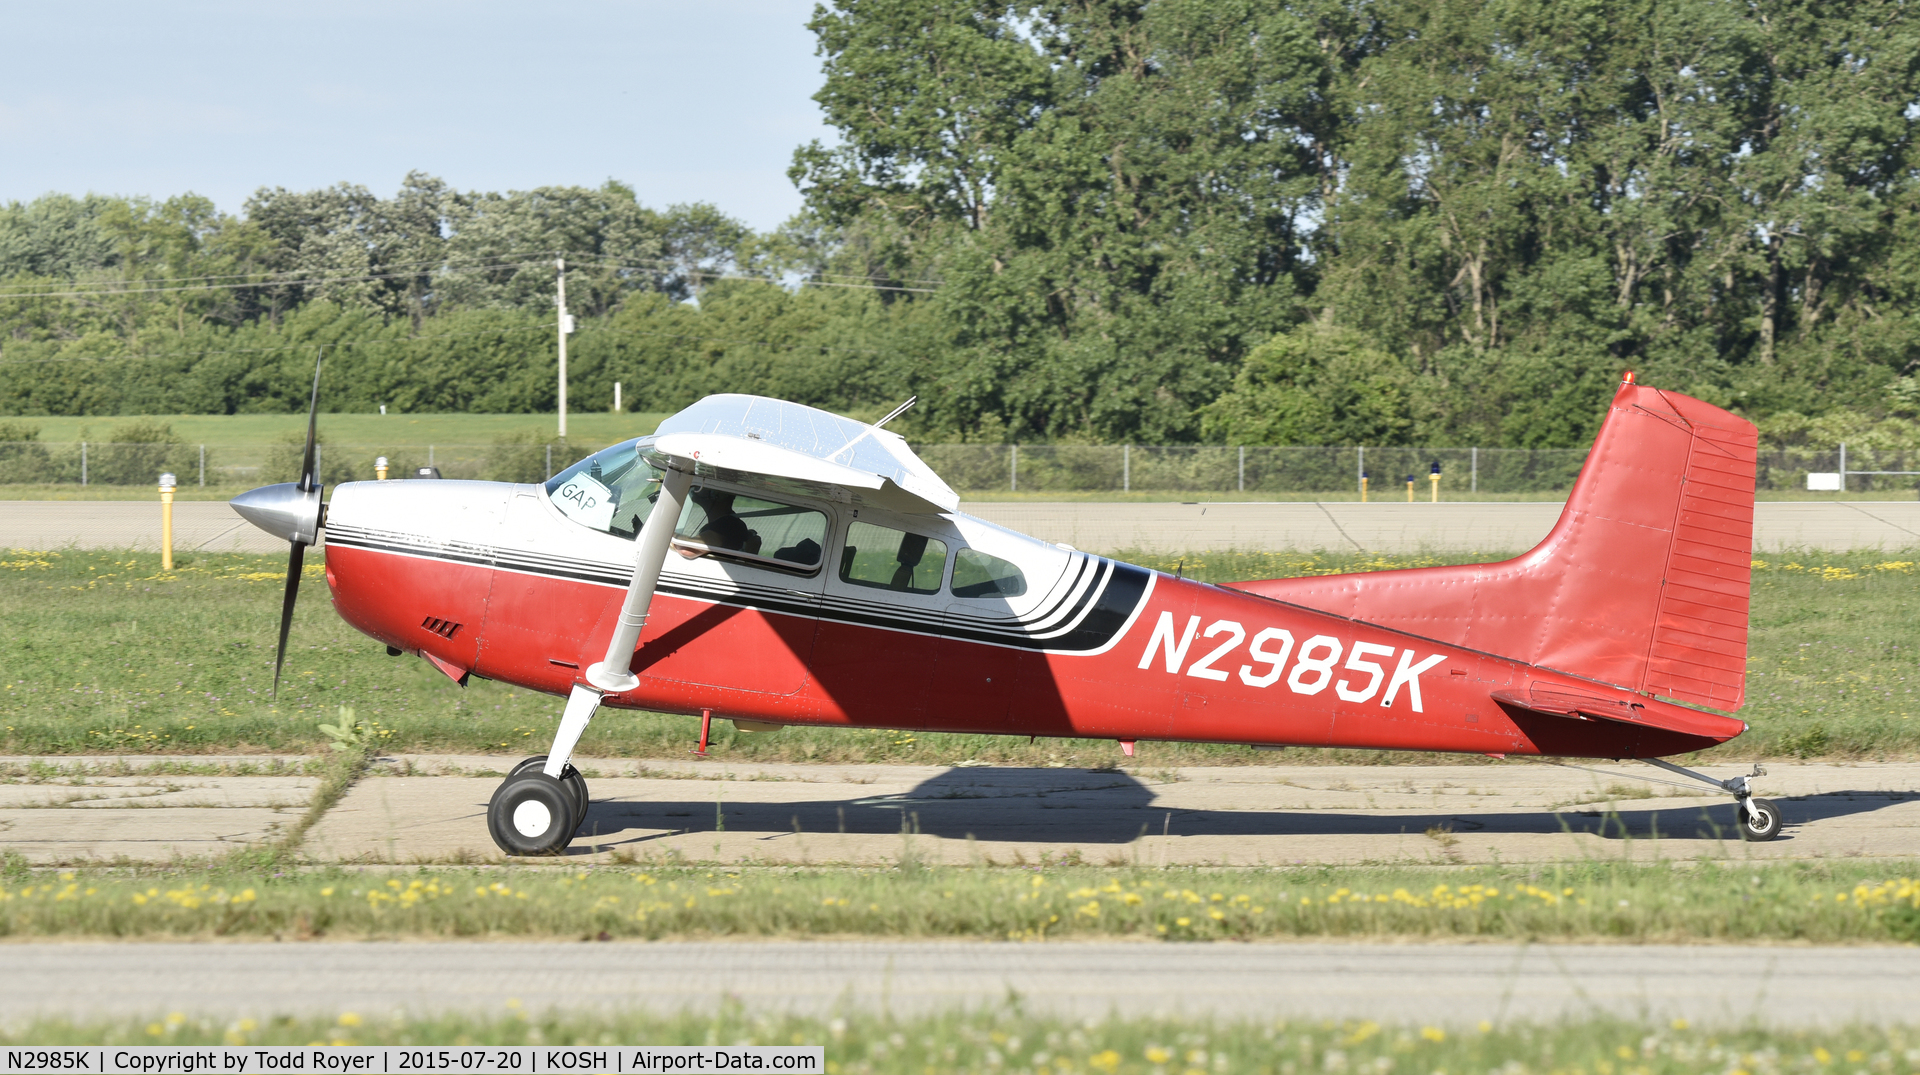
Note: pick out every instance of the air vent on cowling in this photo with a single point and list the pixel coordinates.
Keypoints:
(443, 628)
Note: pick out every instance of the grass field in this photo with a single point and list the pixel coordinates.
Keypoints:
(103, 653)
(256, 895)
(1007, 1040)
(239, 445)
(227, 430)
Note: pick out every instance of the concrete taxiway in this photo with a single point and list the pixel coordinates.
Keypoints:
(1435, 984)
(432, 809)
(1152, 527)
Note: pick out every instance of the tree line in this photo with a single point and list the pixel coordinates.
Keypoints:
(1229, 221)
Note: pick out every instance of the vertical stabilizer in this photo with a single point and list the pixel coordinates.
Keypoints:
(1643, 583)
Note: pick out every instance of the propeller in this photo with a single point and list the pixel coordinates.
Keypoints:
(294, 511)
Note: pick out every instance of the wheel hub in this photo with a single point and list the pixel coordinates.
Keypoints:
(532, 818)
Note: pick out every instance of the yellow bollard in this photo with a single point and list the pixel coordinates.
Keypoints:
(1435, 478)
(380, 468)
(166, 522)
(1409, 488)
(1363, 487)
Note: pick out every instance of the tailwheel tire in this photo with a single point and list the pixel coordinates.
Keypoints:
(576, 785)
(531, 814)
(1759, 820)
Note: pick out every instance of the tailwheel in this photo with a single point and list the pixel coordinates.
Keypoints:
(1759, 819)
(570, 778)
(531, 814)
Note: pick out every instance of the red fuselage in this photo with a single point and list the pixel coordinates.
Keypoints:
(487, 579)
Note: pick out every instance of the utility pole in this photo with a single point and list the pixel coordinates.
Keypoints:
(566, 326)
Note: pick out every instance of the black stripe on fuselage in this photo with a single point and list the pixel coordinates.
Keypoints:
(1086, 616)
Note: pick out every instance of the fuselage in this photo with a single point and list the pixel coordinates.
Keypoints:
(932, 632)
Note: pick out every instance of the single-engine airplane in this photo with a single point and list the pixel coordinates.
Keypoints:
(779, 565)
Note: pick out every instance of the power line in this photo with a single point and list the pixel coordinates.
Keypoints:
(544, 326)
(522, 259)
(514, 261)
(768, 345)
(636, 263)
(588, 329)
(221, 287)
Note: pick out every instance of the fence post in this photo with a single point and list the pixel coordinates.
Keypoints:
(1013, 468)
(1843, 466)
(203, 466)
(550, 461)
(1126, 468)
(1363, 473)
(1476, 470)
(83, 462)
(1243, 468)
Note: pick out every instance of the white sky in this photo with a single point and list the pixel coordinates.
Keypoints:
(687, 101)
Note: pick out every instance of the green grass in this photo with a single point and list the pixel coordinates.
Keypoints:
(245, 440)
(105, 654)
(217, 491)
(1711, 901)
(229, 430)
(1006, 1039)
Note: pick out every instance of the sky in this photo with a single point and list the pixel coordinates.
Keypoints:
(684, 102)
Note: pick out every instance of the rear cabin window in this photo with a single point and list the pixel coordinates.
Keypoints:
(892, 559)
(976, 574)
(721, 522)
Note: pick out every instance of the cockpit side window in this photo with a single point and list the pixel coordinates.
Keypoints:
(722, 523)
(612, 490)
(891, 559)
(976, 574)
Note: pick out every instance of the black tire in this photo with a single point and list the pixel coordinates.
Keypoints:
(577, 787)
(531, 814)
(1759, 820)
(575, 783)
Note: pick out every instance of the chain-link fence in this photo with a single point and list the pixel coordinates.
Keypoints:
(1493, 471)
(248, 465)
(969, 468)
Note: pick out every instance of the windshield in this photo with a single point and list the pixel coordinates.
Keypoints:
(611, 490)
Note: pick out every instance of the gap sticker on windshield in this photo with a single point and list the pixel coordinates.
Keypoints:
(585, 501)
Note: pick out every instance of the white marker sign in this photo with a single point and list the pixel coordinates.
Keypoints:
(585, 500)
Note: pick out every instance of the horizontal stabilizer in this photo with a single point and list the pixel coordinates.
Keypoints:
(1566, 700)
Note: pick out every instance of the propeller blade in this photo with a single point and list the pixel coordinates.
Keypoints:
(308, 479)
(294, 563)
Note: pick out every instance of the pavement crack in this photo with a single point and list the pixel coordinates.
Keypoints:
(1878, 519)
(1336, 525)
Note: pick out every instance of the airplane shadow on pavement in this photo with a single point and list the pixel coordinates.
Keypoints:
(1077, 806)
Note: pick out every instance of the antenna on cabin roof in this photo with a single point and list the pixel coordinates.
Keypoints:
(897, 411)
(868, 432)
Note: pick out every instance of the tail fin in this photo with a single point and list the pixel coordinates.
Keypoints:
(1643, 583)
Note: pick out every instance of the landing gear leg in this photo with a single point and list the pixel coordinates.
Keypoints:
(537, 811)
(1759, 818)
(533, 813)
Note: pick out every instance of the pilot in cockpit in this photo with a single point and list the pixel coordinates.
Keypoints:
(724, 529)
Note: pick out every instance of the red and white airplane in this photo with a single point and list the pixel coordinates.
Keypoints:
(779, 565)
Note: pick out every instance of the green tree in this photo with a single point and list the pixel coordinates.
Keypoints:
(1316, 385)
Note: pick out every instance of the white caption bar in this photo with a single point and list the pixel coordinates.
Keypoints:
(407, 1060)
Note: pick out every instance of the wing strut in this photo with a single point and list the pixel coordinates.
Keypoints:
(614, 674)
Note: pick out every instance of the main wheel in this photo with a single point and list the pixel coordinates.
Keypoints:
(1759, 819)
(531, 814)
(576, 785)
